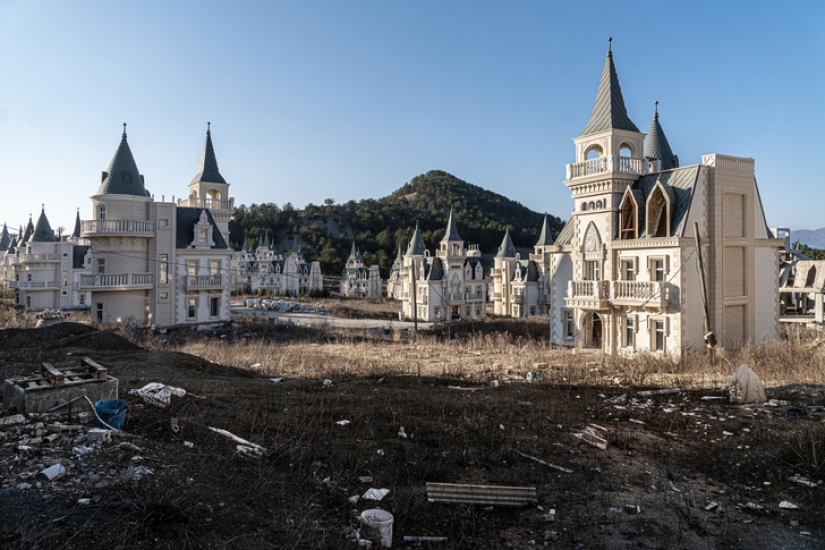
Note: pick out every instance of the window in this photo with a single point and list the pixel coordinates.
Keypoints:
(629, 335)
(101, 265)
(659, 335)
(627, 221)
(163, 277)
(202, 236)
(584, 207)
(64, 293)
(101, 212)
(628, 270)
(191, 267)
(592, 270)
(214, 267)
(28, 276)
(28, 302)
(598, 205)
(65, 280)
(214, 306)
(164, 296)
(82, 299)
(657, 269)
(99, 312)
(569, 326)
(191, 307)
(164, 222)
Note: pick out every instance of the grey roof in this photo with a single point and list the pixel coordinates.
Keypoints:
(43, 232)
(5, 240)
(296, 249)
(566, 234)
(245, 245)
(122, 177)
(545, 237)
(452, 230)
(399, 257)
(28, 233)
(434, 270)
(208, 167)
(353, 254)
(529, 271)
(416, 246)
(264, 243)
(12, 246)
(609, 110)
(473, 262)
(76, 232)
(656, 145)
(187, 219)
(506, 248)
(78, 255)
(679, 185)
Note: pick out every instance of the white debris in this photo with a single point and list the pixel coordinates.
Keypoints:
(276, 380)
(375, 494)
(245, 447)
(327, 383)
(136, 473)
(785, 505)
(189, 444)
(343, 422)
(157, 394)
(12, 420)
(255, 366)
(401, 433)
(745, 387)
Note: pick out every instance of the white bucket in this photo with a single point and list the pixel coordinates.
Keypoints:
(376, 525)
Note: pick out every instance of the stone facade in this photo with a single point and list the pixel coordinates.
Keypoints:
(275, 273)
(359, 280)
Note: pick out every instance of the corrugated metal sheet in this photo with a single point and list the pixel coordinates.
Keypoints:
(490, 495)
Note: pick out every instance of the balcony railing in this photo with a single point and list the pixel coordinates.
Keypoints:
(204, 281)
(38, 258)
(96, 228)
(35, 285)
(116, 280)
(604, 165)
(212, 204)
(599, 294)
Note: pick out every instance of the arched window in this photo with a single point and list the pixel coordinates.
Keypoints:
(593, 152)
(598, 205)
(625, 150)
(658, 213)
(591, 205)
(628, 221)
(584, 207)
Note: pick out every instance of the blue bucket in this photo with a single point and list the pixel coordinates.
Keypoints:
(111, 411)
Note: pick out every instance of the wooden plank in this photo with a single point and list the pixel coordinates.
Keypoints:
(56, 375)
(96, 368)
(490, 495)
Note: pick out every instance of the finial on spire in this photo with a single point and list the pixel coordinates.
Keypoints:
(42, 206)
(124, 129)
(655, 107)
(609, 44)
(208, 127)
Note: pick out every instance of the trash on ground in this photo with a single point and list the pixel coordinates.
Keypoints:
(376, 526)
(745, 387)
(244, 447)
(648, 393)
(276, 380)
(365, 479)
(157, 394)
(189, 444)
(136, 473)
(540, 461)
(632, 509)
(375, 494)
(802, 480)
(493, 495)
(327, 383)
(12, 420)
(51, 473)
(401, 433)
(786, 505)
(174, 424)
(592, 434)
(408, 538)
(712, 505)
(343, 422)
(462, 388)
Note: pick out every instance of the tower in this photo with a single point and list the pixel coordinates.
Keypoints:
(209, 190)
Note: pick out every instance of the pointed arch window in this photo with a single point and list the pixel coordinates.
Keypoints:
(658, 212)
(629, 218)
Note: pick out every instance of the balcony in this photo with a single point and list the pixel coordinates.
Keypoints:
(117, 228)
(601, 294)
(588, 294)
(116, 281)
(32, 258)
(35, 285)
(651, 294)
(205, 282)
(211, 204)
(518, 299)
(608, 164)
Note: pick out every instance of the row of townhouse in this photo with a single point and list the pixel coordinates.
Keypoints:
(265, 270)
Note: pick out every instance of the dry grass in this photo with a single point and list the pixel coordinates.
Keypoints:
(489, 353)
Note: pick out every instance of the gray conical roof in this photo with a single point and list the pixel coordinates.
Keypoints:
(245, 245)
(416, 246)
(506, 249)
(353, 254)
(123, 177)
(76, 232)
(265, 242)
(545, 238)
(399, 257)
(296, 249)
(5, 240)
(43, 231)
(208, 167)
(609, 110)
(29, 231)
(12, 246)
(657, 146)
(452, 231)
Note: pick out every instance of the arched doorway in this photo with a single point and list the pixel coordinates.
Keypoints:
(593, 330)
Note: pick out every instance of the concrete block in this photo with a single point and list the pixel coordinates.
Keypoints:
(43, 399)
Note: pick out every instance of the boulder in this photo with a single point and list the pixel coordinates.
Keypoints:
(745, 387)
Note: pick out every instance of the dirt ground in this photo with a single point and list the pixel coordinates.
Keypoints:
(682, 470)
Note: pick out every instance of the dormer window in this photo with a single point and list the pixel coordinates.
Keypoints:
(202, 236)
(658, 212)
(628, 218)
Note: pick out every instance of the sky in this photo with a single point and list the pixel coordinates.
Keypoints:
(311, 100)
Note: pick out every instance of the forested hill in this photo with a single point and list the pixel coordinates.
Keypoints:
(381, 226)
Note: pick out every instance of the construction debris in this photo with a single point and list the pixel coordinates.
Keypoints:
(375, 494)
(408, 538)
(244, 447)
(490, 495)
(157, 394)
(540, 461)
(593, 434)
(745, 387)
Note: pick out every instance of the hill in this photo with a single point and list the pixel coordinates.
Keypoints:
(814, 238)
(381, 226)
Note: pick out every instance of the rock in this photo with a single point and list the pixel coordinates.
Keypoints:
(745, 387)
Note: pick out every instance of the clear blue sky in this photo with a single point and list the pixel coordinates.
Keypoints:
(348, 99)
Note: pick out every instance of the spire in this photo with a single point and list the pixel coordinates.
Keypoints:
(5, 240)
(416, 246)
(43, 232)
(245, 245)
(123, 177)
(265, 243)
(656, 145)
(399, 257)
(545, 238)
(76, 232)
(29, 231)
(506, 249)
(352, 253)
(609, 110)
(12, 246)
(452, 230)
(208, 167)
(295, 249)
